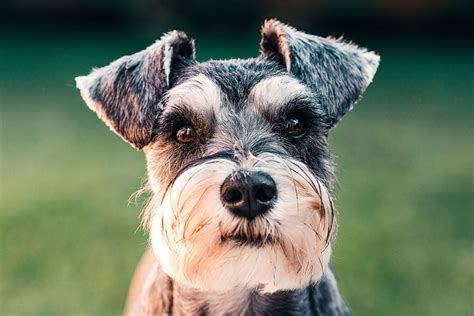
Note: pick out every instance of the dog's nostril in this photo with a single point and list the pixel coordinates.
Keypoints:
(233, 196)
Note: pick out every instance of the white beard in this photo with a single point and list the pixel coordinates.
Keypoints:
(191, 231)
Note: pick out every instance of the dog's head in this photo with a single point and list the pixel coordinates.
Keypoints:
(237, 153)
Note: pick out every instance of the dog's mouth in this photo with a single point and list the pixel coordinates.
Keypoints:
(252, 240)
(249, 234)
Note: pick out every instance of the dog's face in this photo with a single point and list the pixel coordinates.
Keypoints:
(240, 180)
(238, 162)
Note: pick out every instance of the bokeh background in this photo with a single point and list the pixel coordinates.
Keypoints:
(69, 241)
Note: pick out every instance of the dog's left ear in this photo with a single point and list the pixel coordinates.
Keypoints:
(126, 94)
(337, 72)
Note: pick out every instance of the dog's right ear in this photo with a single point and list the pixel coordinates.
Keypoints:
(336, 71)
(126, 94)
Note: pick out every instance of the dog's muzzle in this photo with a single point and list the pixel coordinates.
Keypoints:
(248, 194)
(261, 224)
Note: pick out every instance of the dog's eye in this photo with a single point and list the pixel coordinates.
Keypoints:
(295, 126)
(185, 134)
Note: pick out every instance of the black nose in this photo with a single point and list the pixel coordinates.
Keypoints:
(248, 194)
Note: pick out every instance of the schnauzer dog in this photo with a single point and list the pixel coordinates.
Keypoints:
(240, 216)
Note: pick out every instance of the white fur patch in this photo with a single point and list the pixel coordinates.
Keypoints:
(83, 83)
(370, 69)
(167, 56)
(189, 224)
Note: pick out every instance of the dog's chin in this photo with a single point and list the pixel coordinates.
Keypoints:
(221, 264)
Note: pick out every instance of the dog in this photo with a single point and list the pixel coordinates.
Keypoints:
(241, 215)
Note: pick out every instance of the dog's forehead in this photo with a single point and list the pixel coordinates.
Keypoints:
(235, 84)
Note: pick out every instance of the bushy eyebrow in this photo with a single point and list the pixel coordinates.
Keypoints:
(296, 104)
(279, 97)
(177, 115)
(302, 105)
(194, 101)
(180, 114)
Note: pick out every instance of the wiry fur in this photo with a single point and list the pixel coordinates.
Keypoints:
(199, 242)
(322, 298)
(126, 93)
(238, 109)
(339, 72)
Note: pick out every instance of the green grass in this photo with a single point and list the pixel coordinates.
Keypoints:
(69, 243)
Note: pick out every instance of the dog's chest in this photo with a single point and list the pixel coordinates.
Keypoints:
(241, 303)
(163, 296)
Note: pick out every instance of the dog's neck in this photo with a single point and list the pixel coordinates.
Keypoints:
(164, 296)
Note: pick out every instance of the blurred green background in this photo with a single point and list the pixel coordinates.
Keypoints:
(68, 236)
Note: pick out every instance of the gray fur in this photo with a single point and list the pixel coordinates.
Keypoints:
(132, 96)
(338, 72)
(228, 128)
(130, 89)
(126, 93)
(322, 298)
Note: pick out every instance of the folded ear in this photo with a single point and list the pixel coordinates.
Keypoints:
(337, 72)
(126, 93)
